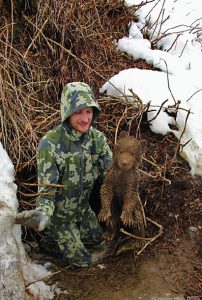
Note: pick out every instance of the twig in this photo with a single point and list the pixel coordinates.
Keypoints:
(176, 103)
(157, 176)
(193, 95)
(119, 122)
(47, 277)
(155, 237)
(36, 194)
(143, 213)
(158, 112)
(156, 22)
(135, 236)
(158, 173)
(36, 36)
(174, 42)
(183, 131)
(149, 240)
(163, 185)
(39, 184)
(86, 65)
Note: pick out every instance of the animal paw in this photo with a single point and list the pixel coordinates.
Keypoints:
(108, 236)
(127, 219)
(105, 216)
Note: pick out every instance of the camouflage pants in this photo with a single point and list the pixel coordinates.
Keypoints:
(68, 240)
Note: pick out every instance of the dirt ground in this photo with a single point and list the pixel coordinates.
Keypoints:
(170, 267)
(170, 270)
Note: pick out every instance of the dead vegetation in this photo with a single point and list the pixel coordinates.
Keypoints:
(42, 47)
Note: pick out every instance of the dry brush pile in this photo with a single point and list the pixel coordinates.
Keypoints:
(44, 45)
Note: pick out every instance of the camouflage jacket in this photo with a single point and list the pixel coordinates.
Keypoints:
(69, 162)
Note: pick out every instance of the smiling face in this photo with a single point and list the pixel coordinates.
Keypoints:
(81, 120)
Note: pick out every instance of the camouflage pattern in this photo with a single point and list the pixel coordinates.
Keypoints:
(74, 161)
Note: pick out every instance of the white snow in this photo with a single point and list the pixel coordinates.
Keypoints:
(174, 27)
(12, 252)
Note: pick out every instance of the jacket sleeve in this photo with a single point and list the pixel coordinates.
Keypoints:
(48, 176)
(105, 156)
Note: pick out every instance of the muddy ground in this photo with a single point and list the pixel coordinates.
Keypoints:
(170, 267)
(169, 270)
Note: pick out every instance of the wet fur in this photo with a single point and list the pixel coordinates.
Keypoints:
(120, 200)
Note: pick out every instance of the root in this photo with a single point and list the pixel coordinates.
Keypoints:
(148, 240)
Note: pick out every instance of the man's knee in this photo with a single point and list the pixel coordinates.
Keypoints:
(75, 254)
(49, 246)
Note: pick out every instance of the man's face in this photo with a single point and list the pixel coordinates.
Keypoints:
(81, 119)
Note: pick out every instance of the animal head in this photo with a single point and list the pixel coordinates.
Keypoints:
(128, 151)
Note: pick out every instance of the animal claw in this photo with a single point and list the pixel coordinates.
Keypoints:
(130, 218)
(109, 236)
(127, 219)
(105, 216)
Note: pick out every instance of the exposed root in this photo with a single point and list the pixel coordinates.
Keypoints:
(148, 240)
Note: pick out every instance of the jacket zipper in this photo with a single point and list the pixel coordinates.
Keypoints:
(81, 167)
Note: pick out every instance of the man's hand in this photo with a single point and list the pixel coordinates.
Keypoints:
(32, 218)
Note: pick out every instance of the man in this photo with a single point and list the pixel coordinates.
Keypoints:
(71, 157)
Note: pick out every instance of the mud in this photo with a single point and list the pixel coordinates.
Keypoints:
(168, 270)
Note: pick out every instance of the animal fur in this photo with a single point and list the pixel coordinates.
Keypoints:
(120, 201)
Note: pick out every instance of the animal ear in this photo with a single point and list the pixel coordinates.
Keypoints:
(143, 145)
(123, 134)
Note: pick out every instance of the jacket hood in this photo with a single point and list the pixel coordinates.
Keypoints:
(76, 96)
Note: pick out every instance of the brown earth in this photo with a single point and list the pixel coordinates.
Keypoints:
(166, 271)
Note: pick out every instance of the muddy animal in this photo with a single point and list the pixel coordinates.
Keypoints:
(120, 201)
